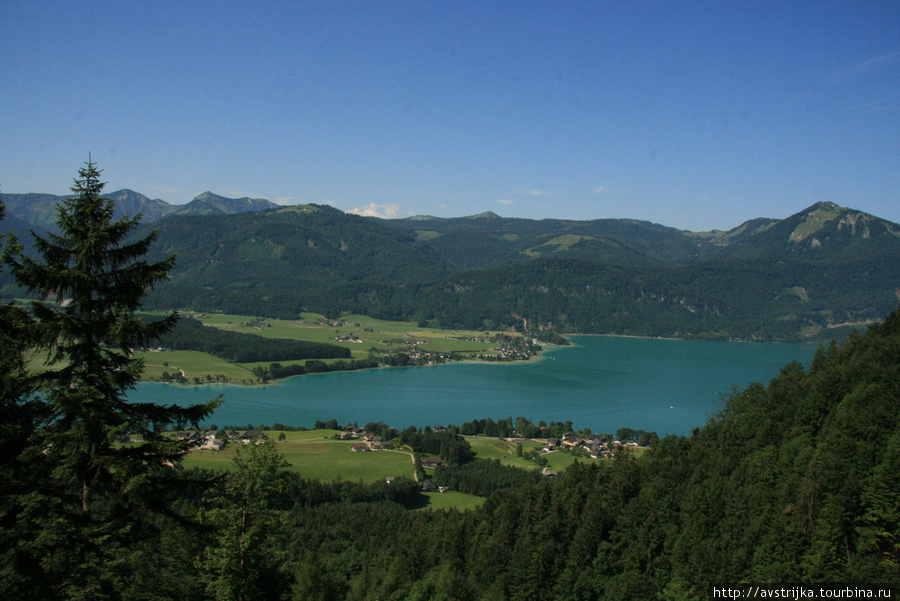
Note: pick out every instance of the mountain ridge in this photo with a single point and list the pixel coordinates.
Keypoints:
(771, 279)
(38, 210)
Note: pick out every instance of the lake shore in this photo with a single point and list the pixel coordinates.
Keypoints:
(603, 382)
(252, 381)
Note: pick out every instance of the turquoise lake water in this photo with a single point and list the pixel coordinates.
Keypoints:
(667, 386)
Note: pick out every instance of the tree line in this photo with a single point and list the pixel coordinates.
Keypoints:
(189, 334)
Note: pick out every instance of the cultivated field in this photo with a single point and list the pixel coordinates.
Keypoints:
(334, 460)
(370, 332)
(316, 454)
(366, 333)
(495, 448)
(451, 500)
(193, 364)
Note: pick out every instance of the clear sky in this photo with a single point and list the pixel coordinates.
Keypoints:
(696, 115)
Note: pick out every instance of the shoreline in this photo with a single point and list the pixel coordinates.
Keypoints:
(536, 358)
(533, 359)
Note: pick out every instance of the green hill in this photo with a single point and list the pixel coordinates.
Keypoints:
(473, 243)
(823, 232)
(213, 204)
(765, 280)
(796, 278)
(279, 261)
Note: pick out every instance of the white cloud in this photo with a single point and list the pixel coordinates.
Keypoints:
(533, 192)
(600, 189)
(505, 201)
(390, 211)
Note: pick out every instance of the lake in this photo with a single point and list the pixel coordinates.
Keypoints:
(602, 382)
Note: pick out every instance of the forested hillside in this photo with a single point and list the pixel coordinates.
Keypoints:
(766, 300)
(276, 262)
(797, 278)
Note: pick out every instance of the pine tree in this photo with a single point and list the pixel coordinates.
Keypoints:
(94, 494)
(21, 411)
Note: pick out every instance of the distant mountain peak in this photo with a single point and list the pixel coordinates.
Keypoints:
(210, 203)
(129, 202)
(486, 215)
(127, 193)
(827, 205)
(209, 196)
(829, 219)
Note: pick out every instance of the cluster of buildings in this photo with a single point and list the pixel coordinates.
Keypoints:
(213, 440)
(596, 445)
(371, 442)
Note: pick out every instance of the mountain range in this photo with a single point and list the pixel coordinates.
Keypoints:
(797, 278)
(39, 210)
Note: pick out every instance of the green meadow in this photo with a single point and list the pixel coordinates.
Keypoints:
(505, 451)
(334, 460)
(193, 364)
(450, 500)
(369, 331)
(311, 327)
(316, 454)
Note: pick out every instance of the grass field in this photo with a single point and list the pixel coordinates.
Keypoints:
(305, 449)
(303, 435)
(494, 448)
(370, 332)
(194, 365)
(330, 461)
(450, 500)
(314, 454)
(559, 461)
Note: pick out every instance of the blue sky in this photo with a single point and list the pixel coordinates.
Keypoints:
(696, 115)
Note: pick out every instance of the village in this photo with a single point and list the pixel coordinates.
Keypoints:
(215, 440)
(208, 444)
(595, 446)
(411, 351)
